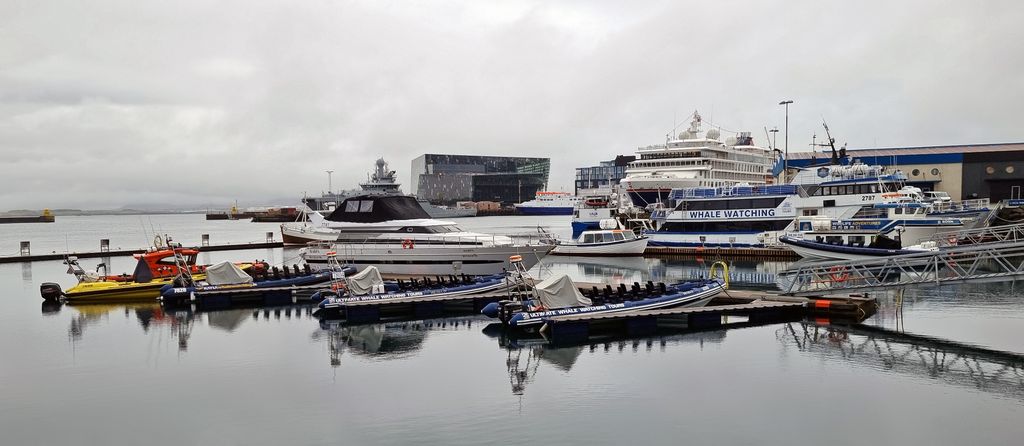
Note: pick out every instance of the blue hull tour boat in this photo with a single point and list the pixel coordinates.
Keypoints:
(368, 286)
(559, 296)
(226, 284)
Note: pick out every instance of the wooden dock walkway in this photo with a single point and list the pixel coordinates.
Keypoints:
(129, 252)
(757, 308)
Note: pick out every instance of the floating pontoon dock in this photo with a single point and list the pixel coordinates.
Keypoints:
(756, 308)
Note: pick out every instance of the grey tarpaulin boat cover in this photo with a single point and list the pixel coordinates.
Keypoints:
(363, 282)
(559, 292)
(226, 273)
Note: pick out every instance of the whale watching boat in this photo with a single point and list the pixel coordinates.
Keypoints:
(533, 303)
(559, 296)
(226, 284)
(695, 159)
(755, 216)
(369, 286)
(397, 236)
(884, 229)
(549, 203)
(595, 207)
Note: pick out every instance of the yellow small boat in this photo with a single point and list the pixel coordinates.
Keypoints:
(95, 292)
(156, 268)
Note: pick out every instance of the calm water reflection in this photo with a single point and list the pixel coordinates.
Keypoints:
(941, 368)
(948, 362)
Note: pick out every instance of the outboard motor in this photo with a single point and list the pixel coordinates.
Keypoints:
(50, 291)
(507, 309)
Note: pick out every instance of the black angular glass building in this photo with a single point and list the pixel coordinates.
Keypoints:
(446, 179)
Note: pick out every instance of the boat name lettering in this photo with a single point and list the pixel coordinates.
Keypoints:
(732, 213)
(572, 310)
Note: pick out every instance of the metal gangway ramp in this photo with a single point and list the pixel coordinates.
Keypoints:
(980, 236)
(993, 254)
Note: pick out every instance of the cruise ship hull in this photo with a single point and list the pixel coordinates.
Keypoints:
(645, 197)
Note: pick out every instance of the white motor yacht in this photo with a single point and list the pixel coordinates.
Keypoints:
(395, 234)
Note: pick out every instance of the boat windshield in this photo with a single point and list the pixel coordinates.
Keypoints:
(445, 228)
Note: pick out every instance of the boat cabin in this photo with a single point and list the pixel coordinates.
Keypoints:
(378, 208)
(605, 236)
(160, 263)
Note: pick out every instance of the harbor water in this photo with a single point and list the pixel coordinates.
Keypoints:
(933, 366)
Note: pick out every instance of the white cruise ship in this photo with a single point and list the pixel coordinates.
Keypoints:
(695, 160)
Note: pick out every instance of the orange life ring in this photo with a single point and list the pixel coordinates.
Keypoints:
(407, 244)
(838, 273)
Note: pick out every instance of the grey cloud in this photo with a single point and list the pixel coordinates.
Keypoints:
(101, 103)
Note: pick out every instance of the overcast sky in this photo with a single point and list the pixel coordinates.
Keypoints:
(112, 103)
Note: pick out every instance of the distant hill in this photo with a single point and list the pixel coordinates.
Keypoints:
(68, 212)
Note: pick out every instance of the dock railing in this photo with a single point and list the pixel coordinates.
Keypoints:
(988, 234)
(979, 204)
(983, 262)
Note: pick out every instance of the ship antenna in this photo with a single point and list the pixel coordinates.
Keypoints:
(831, 143)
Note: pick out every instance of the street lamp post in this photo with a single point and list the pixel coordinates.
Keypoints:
(785, 162)
(329, 188)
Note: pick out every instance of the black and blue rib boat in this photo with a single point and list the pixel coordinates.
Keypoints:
(368, 287)
(227, 285)
(558, 296)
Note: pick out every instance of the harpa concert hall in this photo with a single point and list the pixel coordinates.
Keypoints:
(446, 179)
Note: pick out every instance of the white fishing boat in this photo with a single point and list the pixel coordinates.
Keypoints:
(397, 236)
(611, 240)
